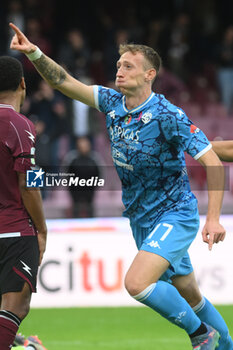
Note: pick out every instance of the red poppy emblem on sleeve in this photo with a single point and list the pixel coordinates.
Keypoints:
(194, 129)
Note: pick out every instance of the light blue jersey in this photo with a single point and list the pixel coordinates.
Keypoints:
(148, 145)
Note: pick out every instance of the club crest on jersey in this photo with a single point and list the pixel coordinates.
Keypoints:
(194, 129)
(128, 119)
(146, 117)
(112, 114)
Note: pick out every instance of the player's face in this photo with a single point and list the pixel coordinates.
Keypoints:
(131, 72)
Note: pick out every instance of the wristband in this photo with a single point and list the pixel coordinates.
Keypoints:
(34, 55)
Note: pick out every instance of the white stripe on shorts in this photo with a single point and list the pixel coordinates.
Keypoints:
(10, 234)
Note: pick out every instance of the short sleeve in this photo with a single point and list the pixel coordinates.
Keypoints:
(180, 131)
(105, 99)
(21, 141)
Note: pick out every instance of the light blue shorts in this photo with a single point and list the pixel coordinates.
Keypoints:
(170, 238)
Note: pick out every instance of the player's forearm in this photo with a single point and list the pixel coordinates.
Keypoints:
(33, 203)
(224, 150)
(59, 79)
(52, 72)
(215, 182)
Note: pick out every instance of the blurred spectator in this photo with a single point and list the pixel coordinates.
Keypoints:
(86, 120)
(74, 54)
(48, 106)
(111, 54)
(84, 163)
(157, 36)
(225, 70)
(42, 155)
(43, 10)
(34, 33)
(133, 26)
(33, 8)
(171, 86)
(42, 145)
(16, 16)
(179, 46)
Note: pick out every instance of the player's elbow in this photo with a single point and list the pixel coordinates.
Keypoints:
(21, 181)
(210, 158)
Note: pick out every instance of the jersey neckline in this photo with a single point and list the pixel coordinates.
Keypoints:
(138, 107)
(2, 105)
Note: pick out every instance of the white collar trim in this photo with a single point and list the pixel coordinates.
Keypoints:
(6, 106)
(138, 107)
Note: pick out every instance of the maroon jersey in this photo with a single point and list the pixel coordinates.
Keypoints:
(17, 149)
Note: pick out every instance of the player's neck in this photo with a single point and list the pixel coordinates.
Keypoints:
(10, 100)
(133, 101)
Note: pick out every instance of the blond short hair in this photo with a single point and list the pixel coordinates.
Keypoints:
(151, 56)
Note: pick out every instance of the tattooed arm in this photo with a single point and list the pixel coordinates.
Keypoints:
(54, 74)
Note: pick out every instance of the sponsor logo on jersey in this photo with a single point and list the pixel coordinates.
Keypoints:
(184, 171)
(194, 129)
(181, 315)
(122, 133)
(146, 117)
(30, 136)
(127, 146)
(154, 244)
(123, 165)
(180, 112)
(139, 117)
(112, 114)
(118, 154)
(128, 119)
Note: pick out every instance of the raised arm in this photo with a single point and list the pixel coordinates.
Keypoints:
(52, 72)
(213, 231)
(224, 150)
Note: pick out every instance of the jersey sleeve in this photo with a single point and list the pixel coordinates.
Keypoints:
(21, 141)
(105, 98)
(180, 131)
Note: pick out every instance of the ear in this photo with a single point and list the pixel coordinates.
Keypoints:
(150, 74)
(23, 84)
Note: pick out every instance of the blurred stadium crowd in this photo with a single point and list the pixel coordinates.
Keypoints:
(195, 40)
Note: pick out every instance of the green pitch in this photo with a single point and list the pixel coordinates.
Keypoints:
(136, 328)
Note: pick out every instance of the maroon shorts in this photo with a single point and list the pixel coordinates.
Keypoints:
(19, 261)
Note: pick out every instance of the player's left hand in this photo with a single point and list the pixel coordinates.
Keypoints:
(213, 232)
(20, 42)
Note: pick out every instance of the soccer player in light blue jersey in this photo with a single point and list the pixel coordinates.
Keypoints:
(149, 136)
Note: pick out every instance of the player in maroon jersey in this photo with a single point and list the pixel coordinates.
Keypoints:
(22, 225)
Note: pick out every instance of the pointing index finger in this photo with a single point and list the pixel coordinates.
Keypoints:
(211, 242)
(15, 28)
